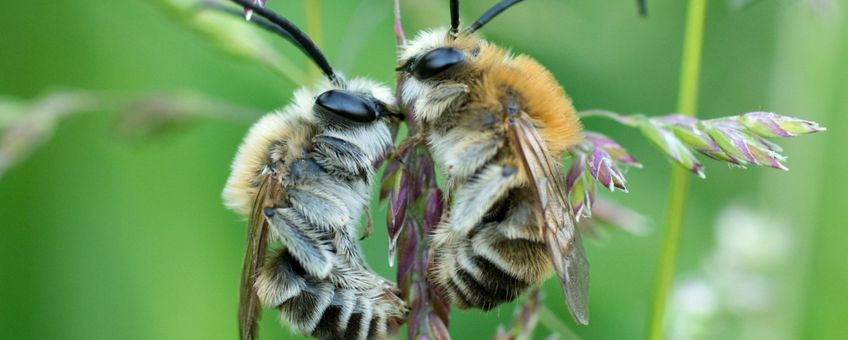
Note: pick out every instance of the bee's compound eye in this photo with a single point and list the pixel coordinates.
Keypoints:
(437, 62)
(343, 104)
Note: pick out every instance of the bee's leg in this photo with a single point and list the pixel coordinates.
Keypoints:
(301, 298)
(350, 153)
(304, 242)
(322, 209)
(333, 323)
(463, 151)
(348, 247)
(341, 157)
(304, 311)
(318, 197)
(348, 172)
(473, 200)
(360, 320)
(362, 311)
(392, 311)
(350, 166)
(280, 279)
(522, 222)
(437, 100)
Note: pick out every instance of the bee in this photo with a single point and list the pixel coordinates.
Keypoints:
(495, 124)
(302, 176)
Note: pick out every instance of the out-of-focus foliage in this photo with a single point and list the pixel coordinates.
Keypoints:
(25, 126)
(736, 292)
(102, 239)
(231, 34)
(151, 115)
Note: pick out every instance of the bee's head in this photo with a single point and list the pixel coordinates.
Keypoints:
(445, 53)
(359, 102)
(437, 55)
(342, 104)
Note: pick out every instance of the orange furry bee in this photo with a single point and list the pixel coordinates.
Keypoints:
(496, 124)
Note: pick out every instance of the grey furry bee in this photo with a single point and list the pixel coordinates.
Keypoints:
(495, 124)
(303, 177)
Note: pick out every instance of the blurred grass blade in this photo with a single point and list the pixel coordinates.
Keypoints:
(687, 104)
(606, 212)
(741, 5)
(359, 31)
(233, 35)
(153, 114)
(26, 126)
(554, 324)
(525, 320)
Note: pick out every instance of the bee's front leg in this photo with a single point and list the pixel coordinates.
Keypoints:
(439, 99)
(473, 200)
(279, 280)
(304, 242)
(318, 197)
(304, 312)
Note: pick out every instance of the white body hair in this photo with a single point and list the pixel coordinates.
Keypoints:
(319, 281)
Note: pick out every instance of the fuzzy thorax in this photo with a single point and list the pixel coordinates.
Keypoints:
(279, 135)
(287, 134)
(490, 71)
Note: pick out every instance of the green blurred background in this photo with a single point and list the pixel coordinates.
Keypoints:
(108, 237)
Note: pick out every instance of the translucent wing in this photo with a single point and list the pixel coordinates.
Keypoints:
(254, 257)
(564, 245)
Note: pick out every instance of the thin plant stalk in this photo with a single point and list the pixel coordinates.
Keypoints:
(552, 322)
(400, 37)
(687, 105)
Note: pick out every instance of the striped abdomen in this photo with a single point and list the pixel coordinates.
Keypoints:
(328, 310)
(499, 260)
(320, 282)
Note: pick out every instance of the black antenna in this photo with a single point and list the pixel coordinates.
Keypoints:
(491, 13)
(454, 12)
(301, 39)
(258, 21)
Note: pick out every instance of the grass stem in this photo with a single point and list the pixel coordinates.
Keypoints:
(687, 105)
(552, 322)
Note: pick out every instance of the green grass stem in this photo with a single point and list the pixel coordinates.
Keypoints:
(687, 105)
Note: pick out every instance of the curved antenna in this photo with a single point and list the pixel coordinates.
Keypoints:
(302, 40)
(454, 12)
(490, 14)
(258, 21)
